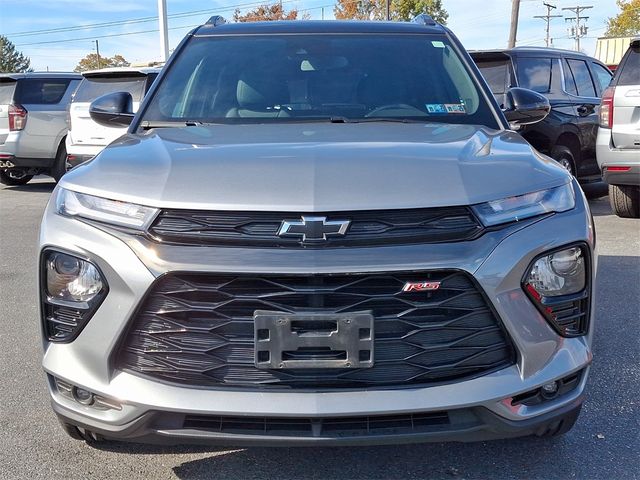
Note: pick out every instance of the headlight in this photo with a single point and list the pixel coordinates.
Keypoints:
(71, 278)
(114, 212)
(512, 209)
(72, 289)
(557, 283)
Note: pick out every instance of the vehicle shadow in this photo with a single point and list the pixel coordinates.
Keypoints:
(595, 190)
(41, 187)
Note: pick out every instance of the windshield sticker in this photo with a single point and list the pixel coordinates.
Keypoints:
(436, 108)
(444, 108)
(455, 107)
(437, 44)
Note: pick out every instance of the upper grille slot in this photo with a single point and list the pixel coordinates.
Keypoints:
(260, 229)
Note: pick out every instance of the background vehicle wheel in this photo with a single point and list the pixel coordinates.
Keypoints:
(14, 177)
(564, 157)
(561, 426)
(625, 200)
(60, 165)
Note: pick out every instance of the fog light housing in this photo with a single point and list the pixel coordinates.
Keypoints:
(82, 396)
(558, 284)
(72, 288)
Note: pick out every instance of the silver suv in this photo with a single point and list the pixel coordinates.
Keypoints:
(33, 124)
(618, 144)
(317, 233)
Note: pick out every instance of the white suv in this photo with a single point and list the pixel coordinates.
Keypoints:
(618, 144)
(86, 138)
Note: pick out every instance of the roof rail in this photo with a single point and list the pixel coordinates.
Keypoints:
(216, 21)
(424, 19)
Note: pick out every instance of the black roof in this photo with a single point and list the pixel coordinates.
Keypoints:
(16, 76)
(316, 27)
(547, 51)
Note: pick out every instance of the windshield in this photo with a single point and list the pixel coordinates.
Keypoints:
(93, 87)
(285, 78)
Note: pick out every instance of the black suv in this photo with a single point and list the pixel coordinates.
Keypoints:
(573, 83)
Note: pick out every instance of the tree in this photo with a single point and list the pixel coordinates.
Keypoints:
(627, 22)
(10, 59)
(400, 9)
(267, 13)
(90, 62)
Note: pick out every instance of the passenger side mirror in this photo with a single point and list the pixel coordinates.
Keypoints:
(523, 106)
(112, 110)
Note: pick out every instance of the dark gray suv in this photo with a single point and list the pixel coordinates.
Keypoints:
(317, 233)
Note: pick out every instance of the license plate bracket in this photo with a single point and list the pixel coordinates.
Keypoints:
(341, 340)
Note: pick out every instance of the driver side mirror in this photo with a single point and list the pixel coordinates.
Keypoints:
(523, 106)
(112, 110)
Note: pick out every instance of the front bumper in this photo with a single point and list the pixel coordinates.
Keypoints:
(152, 409)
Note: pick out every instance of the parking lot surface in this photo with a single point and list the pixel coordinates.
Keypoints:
(605, 443)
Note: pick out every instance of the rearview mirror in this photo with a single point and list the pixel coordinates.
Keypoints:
(523, 106)
(112, 110)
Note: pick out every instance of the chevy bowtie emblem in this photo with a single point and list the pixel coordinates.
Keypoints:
(313, 229)
(420, 286)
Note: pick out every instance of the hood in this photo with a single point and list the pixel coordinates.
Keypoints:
(321, 167)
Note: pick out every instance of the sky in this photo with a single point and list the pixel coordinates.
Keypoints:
(479, 24)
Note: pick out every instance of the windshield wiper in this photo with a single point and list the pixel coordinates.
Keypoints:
(375, 119)
(147, 124)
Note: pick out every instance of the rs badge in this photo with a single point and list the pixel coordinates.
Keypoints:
(420, 286)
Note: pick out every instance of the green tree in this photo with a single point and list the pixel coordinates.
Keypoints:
(10, 59)
(267, 13)
(90, 62)
(627, 22)
(400, 9)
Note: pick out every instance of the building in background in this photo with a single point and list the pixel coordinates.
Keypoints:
(609, 50)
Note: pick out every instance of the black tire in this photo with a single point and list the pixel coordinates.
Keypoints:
(14, 177)
(625, 200)
(561, 426)
(59, 167)
(564, 157)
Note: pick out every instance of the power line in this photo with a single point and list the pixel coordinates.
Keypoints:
(547, 18)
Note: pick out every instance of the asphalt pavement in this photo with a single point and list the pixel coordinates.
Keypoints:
(604, 444)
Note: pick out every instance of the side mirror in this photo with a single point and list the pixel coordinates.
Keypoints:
(523, 106)
(112, 110)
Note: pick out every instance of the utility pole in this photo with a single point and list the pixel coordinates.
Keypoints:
(515, 11)
(164, 36)
(98, 53)
(388, 10)
(577, 31)
(547, 18)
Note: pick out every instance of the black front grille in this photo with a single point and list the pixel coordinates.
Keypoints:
(197, 329)
(260, 229)
(324, 427)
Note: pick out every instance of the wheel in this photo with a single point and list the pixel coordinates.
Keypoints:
(625, 200)
(562, 426)
(14, 177)
(564, 157)
(60, 166)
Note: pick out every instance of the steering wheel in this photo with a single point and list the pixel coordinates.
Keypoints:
(405, 108)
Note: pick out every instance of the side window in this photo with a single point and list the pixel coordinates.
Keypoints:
(629, 71)
(569, 82)
(534, 73)
(41, 91)
(582, 77)
(603, 76)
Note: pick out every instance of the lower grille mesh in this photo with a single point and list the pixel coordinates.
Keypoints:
(197, 329)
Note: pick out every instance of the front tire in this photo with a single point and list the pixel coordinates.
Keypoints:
(60, 165)
(14, 177)
(625, 200)
(564, 157)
